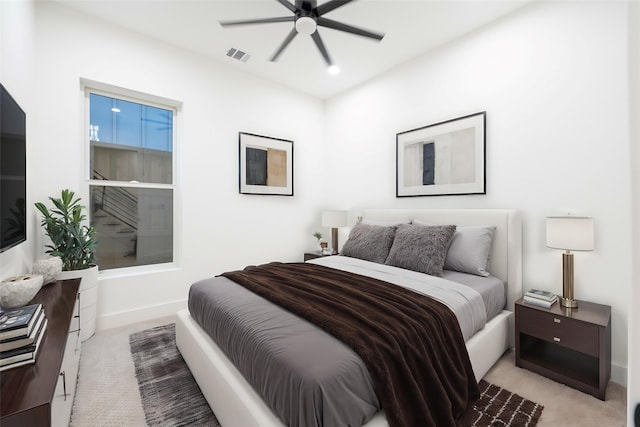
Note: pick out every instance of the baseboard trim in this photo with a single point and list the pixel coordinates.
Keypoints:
(142, 314)
(619, 374)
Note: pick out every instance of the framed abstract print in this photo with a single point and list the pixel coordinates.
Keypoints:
(445, 158)
(266, 165)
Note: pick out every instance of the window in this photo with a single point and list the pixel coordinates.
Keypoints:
(131, 178)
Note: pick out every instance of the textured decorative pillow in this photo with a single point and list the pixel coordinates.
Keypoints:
(470, 250)
(369, 242)
(421, 248)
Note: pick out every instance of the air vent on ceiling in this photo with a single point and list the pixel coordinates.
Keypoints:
(238, 54)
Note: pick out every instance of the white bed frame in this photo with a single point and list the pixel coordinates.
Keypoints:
(234, 401)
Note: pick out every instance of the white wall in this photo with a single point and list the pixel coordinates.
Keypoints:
(633, 397)
(553, 81)
(16, 74)
(219, 228)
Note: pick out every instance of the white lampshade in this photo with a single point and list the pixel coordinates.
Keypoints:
(570, 233)
(334, 219)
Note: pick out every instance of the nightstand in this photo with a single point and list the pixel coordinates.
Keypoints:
(571, 346)
(313, 255)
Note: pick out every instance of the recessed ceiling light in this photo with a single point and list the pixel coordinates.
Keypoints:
(333, 69)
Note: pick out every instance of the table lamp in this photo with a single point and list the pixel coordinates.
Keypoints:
(569, 233)
(333, 220)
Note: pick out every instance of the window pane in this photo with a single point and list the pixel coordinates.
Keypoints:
(130, 141)
(134, 226)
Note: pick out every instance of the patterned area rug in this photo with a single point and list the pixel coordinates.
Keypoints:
(171, 397)
(170, 394)
(499, 407)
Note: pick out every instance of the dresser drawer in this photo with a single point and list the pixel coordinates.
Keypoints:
(570, 333)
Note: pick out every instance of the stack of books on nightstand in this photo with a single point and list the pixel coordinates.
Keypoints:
(540, 298)
(21, 332)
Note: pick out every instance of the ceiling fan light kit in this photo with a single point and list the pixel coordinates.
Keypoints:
(307, 17)
(306, 25)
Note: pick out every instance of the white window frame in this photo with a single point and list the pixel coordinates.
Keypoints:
(88, 87)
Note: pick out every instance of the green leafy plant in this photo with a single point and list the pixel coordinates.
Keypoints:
(73, 242)
(318, 236)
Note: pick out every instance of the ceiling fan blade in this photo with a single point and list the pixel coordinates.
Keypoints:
(330, 23)
(288, 5)
(316, 38)
(284, 44)
(331, 5)
(257, 21)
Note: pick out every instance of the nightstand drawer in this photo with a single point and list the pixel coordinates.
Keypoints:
(573, 334)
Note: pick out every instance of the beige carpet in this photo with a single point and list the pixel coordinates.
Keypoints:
(107, 392)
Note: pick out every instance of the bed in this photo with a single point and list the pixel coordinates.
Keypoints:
(234, 400)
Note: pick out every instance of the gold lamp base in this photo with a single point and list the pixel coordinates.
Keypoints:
(334, 241)
(567, 281)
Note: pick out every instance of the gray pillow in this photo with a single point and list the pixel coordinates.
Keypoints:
(421, 248)
(369, 242)
(470, 250)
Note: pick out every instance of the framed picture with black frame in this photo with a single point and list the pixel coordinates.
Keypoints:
(266, 165)
(445, 158)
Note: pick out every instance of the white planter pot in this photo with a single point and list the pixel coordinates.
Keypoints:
(88, 298)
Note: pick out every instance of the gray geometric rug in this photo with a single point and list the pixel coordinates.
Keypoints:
(170, 394)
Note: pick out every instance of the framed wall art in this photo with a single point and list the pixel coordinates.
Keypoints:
(444, 158)
(266, 165)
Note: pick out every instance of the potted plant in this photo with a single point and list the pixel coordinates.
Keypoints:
(323, 244)
(75, 244)
(72, 241)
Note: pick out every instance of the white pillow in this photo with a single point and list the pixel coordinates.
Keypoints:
(470, 249)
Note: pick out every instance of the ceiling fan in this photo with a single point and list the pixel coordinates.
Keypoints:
(307, 16)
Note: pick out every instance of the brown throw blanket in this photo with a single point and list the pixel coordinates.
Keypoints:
(411, 344)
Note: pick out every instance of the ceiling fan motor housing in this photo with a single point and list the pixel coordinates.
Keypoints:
(306, 16)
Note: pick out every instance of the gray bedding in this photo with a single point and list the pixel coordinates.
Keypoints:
(492, 289)
(306, 376)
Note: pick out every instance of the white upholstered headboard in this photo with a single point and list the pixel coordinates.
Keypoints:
(506, 258)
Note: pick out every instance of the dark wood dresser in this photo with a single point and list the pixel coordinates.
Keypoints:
(571, 346)
(41, 394)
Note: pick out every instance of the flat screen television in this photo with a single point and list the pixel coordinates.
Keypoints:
(13, 172)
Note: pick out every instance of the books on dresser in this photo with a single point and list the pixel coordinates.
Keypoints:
(20, 335)
(26, 354)
(23, 340)
(20, 321)
(540, 298)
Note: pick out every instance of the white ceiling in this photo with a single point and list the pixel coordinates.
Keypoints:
(411, 28)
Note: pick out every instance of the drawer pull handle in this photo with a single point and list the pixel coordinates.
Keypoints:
(556, 339)
(64, 384)
(556, 320)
